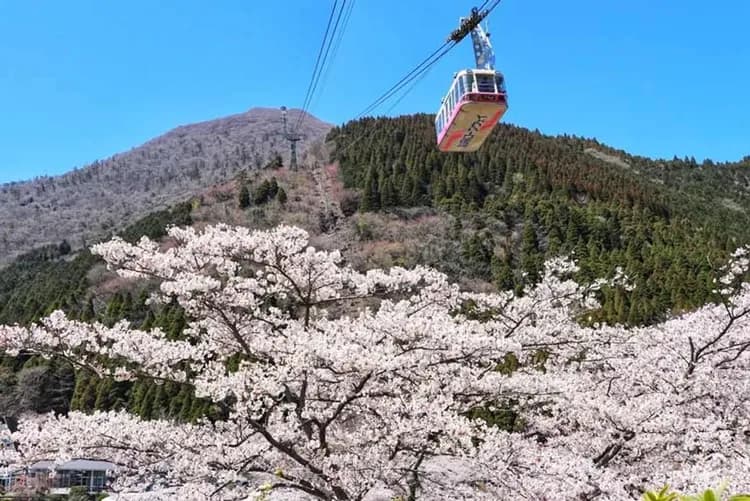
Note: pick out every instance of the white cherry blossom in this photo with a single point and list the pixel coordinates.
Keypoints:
(356, 385)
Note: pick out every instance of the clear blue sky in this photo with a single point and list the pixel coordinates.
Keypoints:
(83, 79)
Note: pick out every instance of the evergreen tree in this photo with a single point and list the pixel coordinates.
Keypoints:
(114, 309)
(530, 255)
(244, 197)
(87, 400)
(371, 197)
(263, 193)
(88, 313)
(502, 272)
(387, 193)
(82, 381)
(103, 391)
(407, 191)
(146, 408)
(273, 188)
(281, 196)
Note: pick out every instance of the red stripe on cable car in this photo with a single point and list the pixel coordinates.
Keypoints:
(492, 121)
(453, 138)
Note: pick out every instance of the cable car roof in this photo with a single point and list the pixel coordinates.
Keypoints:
(477, 71)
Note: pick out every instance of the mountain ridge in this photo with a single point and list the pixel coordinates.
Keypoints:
(94, 200)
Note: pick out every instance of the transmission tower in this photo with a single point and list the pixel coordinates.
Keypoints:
(292, 138)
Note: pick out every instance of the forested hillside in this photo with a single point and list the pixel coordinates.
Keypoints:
(56, 277)
(46, 279)
(99, 199)
(525, 196)
(493, 216)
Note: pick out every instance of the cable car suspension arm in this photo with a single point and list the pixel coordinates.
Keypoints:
(484, 54)
(468, 24)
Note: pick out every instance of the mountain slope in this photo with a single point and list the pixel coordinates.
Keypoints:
(95, 200)
(525, 196)
(580, 167)
(494, 216)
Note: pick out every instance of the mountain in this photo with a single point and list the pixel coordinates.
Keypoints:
(387, 197)
(525, 196)
(489, 219)
(93, 201)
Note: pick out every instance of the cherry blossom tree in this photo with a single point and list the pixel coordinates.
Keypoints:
(377, 385)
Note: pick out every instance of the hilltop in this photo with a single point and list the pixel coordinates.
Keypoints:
(101, 198)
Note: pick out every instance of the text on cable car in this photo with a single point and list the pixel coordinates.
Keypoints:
(471, 131)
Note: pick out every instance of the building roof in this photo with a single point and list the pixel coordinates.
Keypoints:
(75, 464)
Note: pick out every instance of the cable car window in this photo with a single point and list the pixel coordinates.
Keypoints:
(489, 83)
(500, 81)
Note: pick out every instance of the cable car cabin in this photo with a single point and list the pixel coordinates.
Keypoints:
(476, 101)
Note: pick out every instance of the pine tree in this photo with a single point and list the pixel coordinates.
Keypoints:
(371, 197)
(502, 272)
(82, 381)
(103, 391)
(281, 196)
(244, 197)
(407, 191)
(176, 403)
(554, 241)
(137, 392)
(387, 193)
(88, 313)
(87, 401)
(262, 193)
(530, 256)
(187, 404)
(114, 309)
(148, 321)
(146, 407)
(126, 310)
(160, 404)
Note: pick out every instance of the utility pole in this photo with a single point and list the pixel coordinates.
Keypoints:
(292, 138)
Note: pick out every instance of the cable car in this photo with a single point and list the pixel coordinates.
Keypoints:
(476, 100)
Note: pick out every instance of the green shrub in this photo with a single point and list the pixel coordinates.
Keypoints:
(665, 494)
